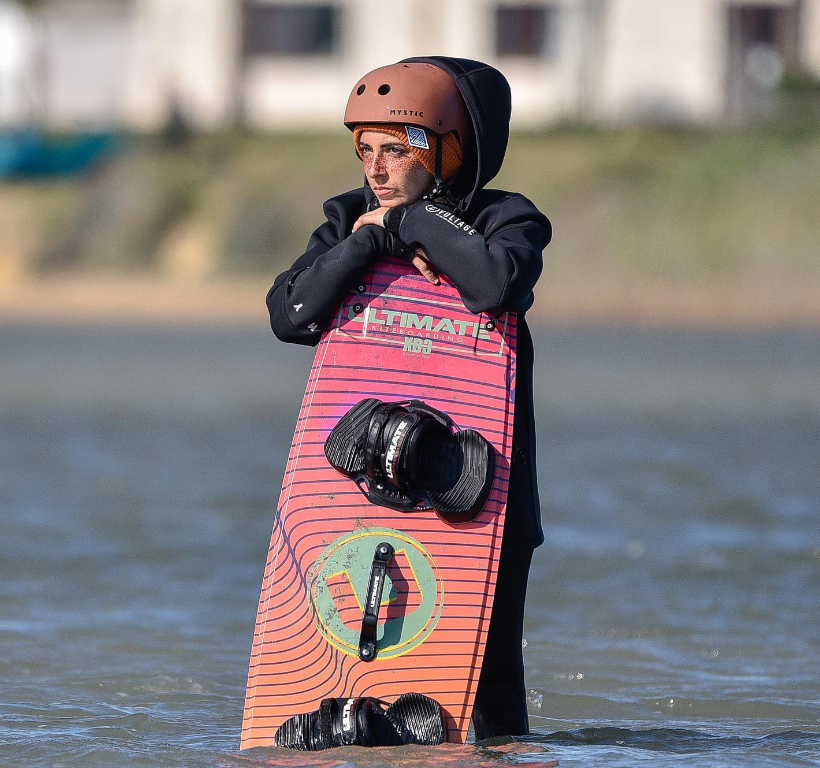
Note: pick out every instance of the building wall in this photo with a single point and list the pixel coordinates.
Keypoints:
(811, 35)
(137, 61)
(306, 92)
(185, 60)
(88, 55)
(312, 92)
(544, 87)
(662, 60)
(612, 60)
(16, 65)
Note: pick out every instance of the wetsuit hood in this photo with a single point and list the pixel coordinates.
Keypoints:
(486, 94)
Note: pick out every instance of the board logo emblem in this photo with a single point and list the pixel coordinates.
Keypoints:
(413, 593)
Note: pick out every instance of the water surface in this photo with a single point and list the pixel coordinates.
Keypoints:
(673, 613)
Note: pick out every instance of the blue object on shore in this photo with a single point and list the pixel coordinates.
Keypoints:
(26, 154)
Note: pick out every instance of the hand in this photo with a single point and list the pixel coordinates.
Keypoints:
(371, 217)
(422, 265)
(419, 256)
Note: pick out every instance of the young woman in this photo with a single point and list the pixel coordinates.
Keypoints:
(431, 132)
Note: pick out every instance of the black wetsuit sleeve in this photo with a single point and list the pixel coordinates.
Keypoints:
(304, 297)
(495, 271)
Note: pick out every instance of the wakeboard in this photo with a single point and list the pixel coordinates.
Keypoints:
(396, 338)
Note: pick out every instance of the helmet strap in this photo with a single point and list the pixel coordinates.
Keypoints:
(440, 187)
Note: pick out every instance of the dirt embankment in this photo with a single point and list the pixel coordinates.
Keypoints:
(135, 301)
(651, 226)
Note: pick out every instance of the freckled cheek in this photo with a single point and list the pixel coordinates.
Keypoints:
(390, 164)
(404, 163)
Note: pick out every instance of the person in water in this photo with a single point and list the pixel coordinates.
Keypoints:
(427, 152)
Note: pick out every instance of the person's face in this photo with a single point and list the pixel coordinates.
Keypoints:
(394, 174)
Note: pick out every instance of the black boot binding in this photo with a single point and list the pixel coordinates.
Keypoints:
(411, 719)
(409, 456)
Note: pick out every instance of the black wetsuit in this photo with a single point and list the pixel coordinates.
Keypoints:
(490, 247)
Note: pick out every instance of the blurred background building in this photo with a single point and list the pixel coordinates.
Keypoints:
(282, 63)
(118, 153)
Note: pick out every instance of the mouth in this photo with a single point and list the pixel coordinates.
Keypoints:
(382, 191)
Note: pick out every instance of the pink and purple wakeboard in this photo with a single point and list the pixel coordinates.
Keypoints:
(396, 338)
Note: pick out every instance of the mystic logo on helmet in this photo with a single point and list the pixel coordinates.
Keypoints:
(406, 112)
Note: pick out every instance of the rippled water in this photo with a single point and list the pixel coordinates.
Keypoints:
(674, 612)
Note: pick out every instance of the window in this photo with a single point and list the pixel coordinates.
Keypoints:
(524, 30)
(762, 25)
(276, 29)
(777, 26)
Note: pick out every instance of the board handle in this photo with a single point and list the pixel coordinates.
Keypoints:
(375, 587)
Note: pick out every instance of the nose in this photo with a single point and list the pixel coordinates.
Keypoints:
(375, 165)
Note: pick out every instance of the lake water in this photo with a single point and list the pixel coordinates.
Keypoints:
(674, 611)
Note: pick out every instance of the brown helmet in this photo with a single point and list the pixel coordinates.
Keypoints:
(413, 94)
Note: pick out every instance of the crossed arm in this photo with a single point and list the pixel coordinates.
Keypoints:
(494, 271)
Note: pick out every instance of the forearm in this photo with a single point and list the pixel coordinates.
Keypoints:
(492, 274)
(303, 298)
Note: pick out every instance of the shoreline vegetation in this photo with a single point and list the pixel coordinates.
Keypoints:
(652, 226)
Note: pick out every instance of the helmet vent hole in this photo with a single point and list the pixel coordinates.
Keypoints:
(384, 89)
(360, 89)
